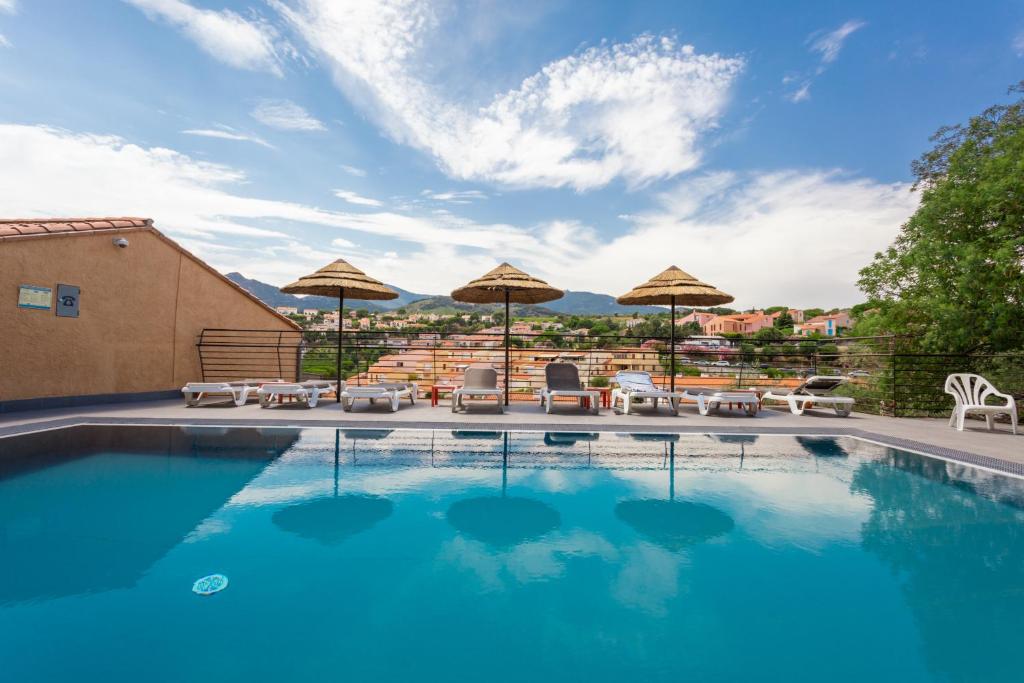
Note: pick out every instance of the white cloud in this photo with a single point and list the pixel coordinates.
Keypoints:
(457, 196)
(51, 172)
(829, 44)
(353, 198)
(801, 94)
(353, 170)
(634, 110)
(285, 115)
(788, 237)
(224, 35)
(826, 44)
(3, 41)
(1018, 44)
(226, 134)
(8, 6)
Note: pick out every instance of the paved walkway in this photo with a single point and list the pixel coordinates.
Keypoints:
(998, 450)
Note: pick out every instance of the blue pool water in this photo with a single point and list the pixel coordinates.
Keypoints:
(467, 556)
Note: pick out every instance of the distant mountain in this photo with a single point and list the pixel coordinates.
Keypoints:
(573, 303)
(446, 305)
(274, 297)
(589, 303)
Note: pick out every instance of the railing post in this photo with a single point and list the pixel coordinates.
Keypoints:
(895, 407)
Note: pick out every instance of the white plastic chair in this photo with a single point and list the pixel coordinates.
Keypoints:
(970, 392)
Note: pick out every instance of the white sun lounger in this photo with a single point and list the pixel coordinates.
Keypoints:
(970, 393)
(481, 381)
(392, 392)
(639, 385)
(712, 399)
(238, 391)
(563, 379)
(815, 391)
(307, 393)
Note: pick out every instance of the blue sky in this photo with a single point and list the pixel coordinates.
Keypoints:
(764, 147)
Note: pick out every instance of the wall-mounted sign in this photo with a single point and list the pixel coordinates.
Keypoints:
(67, 301)
(35, 297)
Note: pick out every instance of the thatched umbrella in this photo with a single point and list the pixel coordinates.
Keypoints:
(513, 286)
(672, 287)
(341, 279)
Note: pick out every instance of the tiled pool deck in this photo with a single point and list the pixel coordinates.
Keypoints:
(998, 450)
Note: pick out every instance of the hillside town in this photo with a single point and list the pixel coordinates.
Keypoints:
(787, 321)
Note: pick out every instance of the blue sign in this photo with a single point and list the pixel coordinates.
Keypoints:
(67, 301)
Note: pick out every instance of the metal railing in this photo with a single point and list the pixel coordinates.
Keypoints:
(884, 378)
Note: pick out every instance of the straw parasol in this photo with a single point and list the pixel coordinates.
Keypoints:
(341, 279)
(511, 285)
(671, 287)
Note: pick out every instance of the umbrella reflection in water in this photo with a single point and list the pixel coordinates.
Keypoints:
(502, 521)
(673, 524)
(333, 519)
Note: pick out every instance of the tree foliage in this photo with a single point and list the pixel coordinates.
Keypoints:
(954, 277)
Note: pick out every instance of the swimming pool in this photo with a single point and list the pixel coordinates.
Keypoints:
(501, 556)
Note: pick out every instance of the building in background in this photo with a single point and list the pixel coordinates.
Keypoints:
(104, 309)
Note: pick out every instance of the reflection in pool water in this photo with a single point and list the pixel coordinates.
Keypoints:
(397, 555)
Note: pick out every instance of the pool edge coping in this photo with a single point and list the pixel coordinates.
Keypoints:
(983, 462)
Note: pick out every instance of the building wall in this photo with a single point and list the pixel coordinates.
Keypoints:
(142, 309)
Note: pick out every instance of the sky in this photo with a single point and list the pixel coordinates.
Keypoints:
(763, 147)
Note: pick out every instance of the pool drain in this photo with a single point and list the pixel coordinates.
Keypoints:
(208, 585)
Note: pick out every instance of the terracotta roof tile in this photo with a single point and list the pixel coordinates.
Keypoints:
(16, 227)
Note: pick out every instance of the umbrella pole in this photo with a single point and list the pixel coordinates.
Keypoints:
(672, 350)
(341, 327)
(508, 352)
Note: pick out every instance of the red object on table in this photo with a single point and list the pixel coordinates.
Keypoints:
(435, 392)
(606, 395)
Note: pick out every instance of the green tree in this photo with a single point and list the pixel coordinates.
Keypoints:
(954, 277)
(813, 313)
(769, 334)
(784, 322)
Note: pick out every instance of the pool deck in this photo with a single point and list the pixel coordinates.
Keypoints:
(998, 450)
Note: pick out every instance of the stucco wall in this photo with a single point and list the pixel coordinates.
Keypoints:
(142, 309)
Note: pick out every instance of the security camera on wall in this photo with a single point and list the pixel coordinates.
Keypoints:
(121, 243)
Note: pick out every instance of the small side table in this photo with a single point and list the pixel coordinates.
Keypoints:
(435, 392)
(606, 395)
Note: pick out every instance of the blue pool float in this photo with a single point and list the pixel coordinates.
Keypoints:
(208, 585)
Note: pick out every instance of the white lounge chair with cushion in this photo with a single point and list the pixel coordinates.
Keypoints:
(479, 381)
(971, 393)
(392, 392)
(308, 393)
(712, 399)
(815, 391)
(563, 379)
(638, 386)
(238, 391)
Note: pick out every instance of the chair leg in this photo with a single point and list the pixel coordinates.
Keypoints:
(952, 417)
(960, 420)
(1013, 420)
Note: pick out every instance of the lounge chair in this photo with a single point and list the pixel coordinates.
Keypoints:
(563, 379)
(970, 393)
(816, 390)
(479, 381)
(712, 399)
(639, 385)
(238, 391)
(392, 392)
(308, 393)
